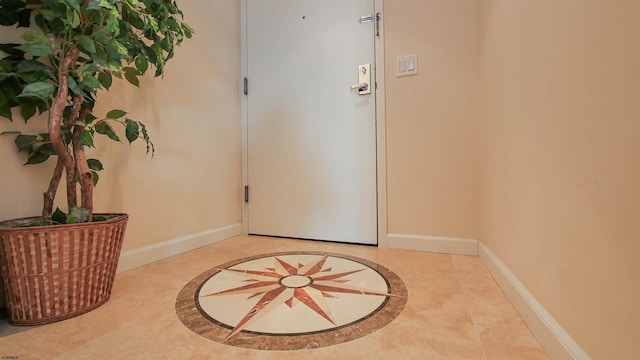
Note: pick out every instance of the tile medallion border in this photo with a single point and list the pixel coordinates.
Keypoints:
(324, 283)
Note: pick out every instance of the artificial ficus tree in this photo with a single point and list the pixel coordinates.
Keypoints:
(70, 50)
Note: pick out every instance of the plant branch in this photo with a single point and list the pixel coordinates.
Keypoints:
(55, 123)
(50, 194)
(75, 110)
(85, 174)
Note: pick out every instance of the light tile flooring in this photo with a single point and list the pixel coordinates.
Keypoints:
(455, 310)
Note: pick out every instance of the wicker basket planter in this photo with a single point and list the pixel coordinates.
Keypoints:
(52, 273)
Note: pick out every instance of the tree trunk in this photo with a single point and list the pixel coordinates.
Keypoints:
(55, 123)
(86, 176)
(50, 194)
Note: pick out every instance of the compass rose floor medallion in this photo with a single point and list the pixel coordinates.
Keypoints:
(291, 301)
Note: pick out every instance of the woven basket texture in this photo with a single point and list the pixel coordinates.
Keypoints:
(52, 273)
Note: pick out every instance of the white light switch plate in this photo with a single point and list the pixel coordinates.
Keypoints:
(407, 65)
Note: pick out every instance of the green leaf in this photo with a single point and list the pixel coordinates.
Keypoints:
(86, 44)
(90, 118)
(116, 114)
(114, 66)
(87, 69)
(95, 164)
(40, 154)
(79, 214)
(188, 30)
(5, 112)
(11, 49)
(105, 129)
(100, 56)
(164, 44)
(5, 106)
(59, 216)
(105, 79)
(86, 138)
(35, 37)
(46, 14)
(90, 82)
(43, 105)
(133, 18)
(173, 25)
(24, 18)
(131, 75)
(37, 50)
(147, 139)
(38, 76)
(9, 89)
(27, 109)
(74, 4)
(133, 130)
(96, 177)
(25, 142)
(75, 20)
(11, 13)
(98, 5)
(112, 26)
(40, 90)
(142, 64)
(66, 135)
(37, 158)
(73, 85)
(29, 65)
(120, 49)
(152, 56)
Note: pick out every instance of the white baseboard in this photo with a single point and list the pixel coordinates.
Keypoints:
(552, 337)
(142, 256)
(433, 244)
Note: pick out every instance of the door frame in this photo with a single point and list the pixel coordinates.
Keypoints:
(381, 150)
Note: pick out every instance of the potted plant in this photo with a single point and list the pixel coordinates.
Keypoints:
(62, 263)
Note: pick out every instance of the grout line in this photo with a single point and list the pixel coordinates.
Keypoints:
(466, 299)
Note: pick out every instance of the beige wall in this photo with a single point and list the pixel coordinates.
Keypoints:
(561, 160)
(432, 124)
(193, 184)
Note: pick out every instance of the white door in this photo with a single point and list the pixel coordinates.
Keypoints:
(311, 139)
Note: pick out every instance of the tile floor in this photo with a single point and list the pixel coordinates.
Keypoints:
(455, 310)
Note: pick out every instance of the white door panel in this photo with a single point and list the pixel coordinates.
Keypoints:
(311, 139)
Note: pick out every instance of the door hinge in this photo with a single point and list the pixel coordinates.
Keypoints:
(246, 194)
(246, 86)
(378, 19)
